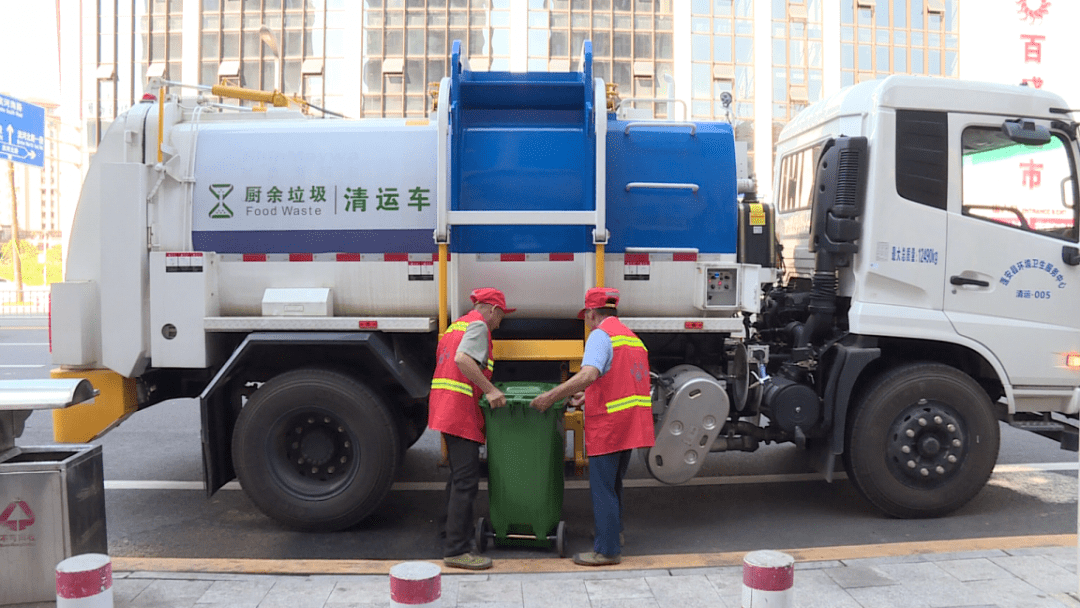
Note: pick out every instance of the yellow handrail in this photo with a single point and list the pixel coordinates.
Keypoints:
(442, 288)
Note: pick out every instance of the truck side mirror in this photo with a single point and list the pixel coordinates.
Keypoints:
(1026, 132)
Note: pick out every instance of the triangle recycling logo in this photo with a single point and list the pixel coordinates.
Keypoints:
(17, 516)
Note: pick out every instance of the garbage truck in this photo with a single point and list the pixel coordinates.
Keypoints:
(912, 283)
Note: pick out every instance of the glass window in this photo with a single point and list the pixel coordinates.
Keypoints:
(721, 49)
(881, 15)
(436, 42)
(538, 43)
(814, 54)
(620, 47)
(560, 44)
(643, 46)
(899, 59)
(847, 57)
(744, 50)
(882, 59)
(795, 49)
(500, 43)
(864, 59)
(917, 62)
(916, 14)
(373, 40)
(664, 45)
(779, 51)
(415, 40)
(933, 62)
(1036, 183)
(780, 93)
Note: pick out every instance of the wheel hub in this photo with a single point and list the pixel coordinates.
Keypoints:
(927, 443)
(318, 447)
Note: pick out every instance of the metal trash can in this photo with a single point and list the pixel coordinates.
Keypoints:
(525, 471)
(52, 506)
(52, 498)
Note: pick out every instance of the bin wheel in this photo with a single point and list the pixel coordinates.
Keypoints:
(481, 534)
(560, 539)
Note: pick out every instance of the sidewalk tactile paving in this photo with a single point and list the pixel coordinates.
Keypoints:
(617, 589)
(816, 589)
(171, 593)
(490, 591)
(859, 576)
(295, 592)
(682, 591)
(554, 594)
(1040, 572)
(360, 590)
(967, 570)
(241, 594)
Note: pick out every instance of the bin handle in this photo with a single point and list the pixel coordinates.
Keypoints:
(661, 123)
(663, 186)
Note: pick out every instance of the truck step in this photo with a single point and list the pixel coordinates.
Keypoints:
(1038, 426)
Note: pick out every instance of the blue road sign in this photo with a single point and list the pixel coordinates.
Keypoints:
(22, 132)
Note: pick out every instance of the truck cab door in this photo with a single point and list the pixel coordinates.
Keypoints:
(1013, 283)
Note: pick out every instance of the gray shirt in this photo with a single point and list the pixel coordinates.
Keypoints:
(475, 343)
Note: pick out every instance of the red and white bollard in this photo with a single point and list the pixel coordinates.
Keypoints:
(415, 584)
(84, 581)
(768, 577)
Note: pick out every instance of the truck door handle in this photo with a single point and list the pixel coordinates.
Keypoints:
(959, 280)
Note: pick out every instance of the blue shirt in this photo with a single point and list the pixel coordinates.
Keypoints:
(598, 351)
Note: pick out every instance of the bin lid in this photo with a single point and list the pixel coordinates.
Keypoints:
(520, 393)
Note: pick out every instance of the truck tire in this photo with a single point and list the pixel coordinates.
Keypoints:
(316, 450)
(922, 442)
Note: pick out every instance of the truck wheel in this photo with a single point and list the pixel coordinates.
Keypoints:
(315, 450)
(922, 442)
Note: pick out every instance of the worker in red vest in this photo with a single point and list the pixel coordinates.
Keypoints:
(462, 373)
(614, 386)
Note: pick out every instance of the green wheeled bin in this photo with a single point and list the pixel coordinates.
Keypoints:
(525, 471)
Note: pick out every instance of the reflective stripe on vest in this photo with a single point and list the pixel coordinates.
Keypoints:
(617, 341)
(447, 384)
(628, 402)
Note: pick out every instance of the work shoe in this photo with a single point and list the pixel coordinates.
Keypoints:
(468, 561)
(596, 559)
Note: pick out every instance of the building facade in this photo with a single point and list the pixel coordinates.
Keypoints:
(753, 62)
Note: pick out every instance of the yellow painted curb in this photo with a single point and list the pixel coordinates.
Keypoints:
(543, 565)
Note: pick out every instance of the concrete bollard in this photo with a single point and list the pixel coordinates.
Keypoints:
(84, 581)
(415, 584)
(768, 577)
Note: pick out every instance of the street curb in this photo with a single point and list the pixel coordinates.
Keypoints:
(636, 563)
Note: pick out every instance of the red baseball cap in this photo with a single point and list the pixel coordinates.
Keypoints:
(600, 297)
(490, 295)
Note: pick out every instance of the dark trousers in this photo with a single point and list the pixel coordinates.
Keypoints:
(461, 489)
(605, 482)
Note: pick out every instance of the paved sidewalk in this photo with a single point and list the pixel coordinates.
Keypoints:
(1039, 577)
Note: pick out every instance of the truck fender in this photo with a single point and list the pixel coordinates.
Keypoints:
(218, 418)
(849, 363)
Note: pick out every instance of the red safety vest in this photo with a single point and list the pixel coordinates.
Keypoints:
(618, 406)
(454, 403)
